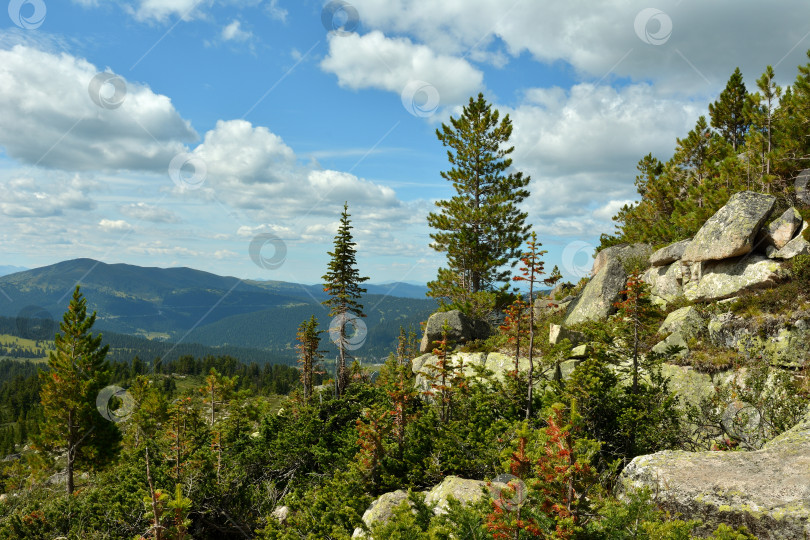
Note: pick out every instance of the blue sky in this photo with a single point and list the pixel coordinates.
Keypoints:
(280, 120)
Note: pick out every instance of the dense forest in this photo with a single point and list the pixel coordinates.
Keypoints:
(219, 447)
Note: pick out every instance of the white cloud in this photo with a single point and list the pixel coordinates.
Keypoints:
(160, 10)
(234, 32)
(148, 212)
(48, 117)
(118, 225)
(376, 61)
(25, 197)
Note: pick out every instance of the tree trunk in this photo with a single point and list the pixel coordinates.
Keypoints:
(531, 348)
(155, 510)
(71, 451)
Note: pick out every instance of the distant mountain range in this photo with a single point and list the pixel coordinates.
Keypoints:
(6, 270)
(192, 306)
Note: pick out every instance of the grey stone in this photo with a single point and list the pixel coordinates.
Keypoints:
(687, 321)
(381, 511)
(724, 279)
(462, 329)
(766, 490)
(557, 333)
(623, 253)
(781, 230)
(281, 513)
(797, 246)
(665, 283)
(731, 231)
(669, 254)
(601, 292)
(463, 490)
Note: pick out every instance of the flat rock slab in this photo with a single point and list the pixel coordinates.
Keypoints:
(623, 253)
(768, 490)
(669, 254)
(724, 279)
(781, 230)
(731, 231)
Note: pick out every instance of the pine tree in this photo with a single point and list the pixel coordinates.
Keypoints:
(481, 228)
(761, 112)
(77, 373)
(309, 341)
(342, 283)
(727, 113)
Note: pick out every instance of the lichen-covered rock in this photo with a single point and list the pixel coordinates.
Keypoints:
(726, 330)
(462, 329)
(677, 339)
(557, 333)
(781, 230)
(724, 279)
(281, 513)
(622, 253)
(788, 348)
(731, 231)
(545, 304)
(463, 490)
(669, 254)
(601, 292)
(797, 246)
(767, 490)
(381, 510)
(687, 320)
(665, 283)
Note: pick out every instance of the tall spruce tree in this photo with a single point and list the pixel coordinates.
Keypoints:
(70, 387)
(309, 353)
(481, 228)
(342, 283)
(727, 113)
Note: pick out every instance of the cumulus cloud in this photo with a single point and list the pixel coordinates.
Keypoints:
(48, 116)
(376, 61)
(25, 197)
(114, 225)
(598, 38)
(234, 32)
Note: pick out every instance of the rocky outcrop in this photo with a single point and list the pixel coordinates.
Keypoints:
(462, 329)
(767, 490)
(723, 279)
(731, 231)
(623, 253)
(463, 490)
(665, 283)
(601, 292)
(557, 333)
(781, 230)
(669, 254)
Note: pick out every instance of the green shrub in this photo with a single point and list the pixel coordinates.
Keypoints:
(800, 264)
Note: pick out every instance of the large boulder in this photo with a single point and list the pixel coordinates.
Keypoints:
(381, 510)
(724, 279)
(557, 333)
(731, 231)
(601, 292)
(665, 283)
(462, 328)
(781, 230)
(767, 490)
(797, 246)
(463, 490)
(681, 325)
(624, 253)
(669, 254)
